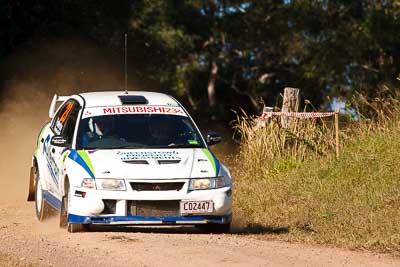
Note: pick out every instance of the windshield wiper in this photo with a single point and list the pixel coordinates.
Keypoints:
(126, 146)
(172, 145)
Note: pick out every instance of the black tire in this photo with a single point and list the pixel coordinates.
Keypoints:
(216, 228)
(31, 192)
(77, 227)
(64, 213)
(71, 227)
(43, 209)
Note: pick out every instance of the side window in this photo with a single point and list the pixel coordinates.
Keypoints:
(62, 116)
(70, 123)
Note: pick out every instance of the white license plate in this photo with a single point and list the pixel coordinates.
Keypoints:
(190, 207)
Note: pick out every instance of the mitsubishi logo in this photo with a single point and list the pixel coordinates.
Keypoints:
(156, 187)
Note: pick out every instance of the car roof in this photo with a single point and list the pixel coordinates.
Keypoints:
(111, 98)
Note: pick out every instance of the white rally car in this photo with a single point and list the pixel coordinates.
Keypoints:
(128, 158)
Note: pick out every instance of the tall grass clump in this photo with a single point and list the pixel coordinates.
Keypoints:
(289, 182)
(376, 114)
(268, 148)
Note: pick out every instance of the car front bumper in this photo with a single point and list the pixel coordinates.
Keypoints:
(90, 209)
(149, 220)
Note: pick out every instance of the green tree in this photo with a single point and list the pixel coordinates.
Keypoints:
(219, 54)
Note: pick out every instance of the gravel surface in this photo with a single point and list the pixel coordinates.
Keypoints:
(27, 242)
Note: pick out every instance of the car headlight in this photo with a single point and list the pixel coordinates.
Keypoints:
(110, 184)
(207, 183)
(88, 183)
(223, 179)
(104, 184)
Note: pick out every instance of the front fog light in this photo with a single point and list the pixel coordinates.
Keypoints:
(110, 184)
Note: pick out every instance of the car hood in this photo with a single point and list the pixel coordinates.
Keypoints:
(144, 163)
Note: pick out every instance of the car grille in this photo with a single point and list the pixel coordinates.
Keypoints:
(174, 186)
(137, 162)
(153, 208)
(168, 161)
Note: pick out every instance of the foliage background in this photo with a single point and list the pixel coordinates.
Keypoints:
(220, 54)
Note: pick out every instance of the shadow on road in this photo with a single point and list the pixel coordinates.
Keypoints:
(251, 229)
(146, 229)
(262, 229)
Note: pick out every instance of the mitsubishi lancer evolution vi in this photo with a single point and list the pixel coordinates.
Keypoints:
(128, 158)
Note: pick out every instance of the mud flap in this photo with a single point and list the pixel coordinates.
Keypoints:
(31, 193)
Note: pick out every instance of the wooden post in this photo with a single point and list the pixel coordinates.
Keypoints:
(337, 132)
(260, 123)
(290, 104)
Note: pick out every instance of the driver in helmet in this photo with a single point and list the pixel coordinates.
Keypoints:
(96, 129)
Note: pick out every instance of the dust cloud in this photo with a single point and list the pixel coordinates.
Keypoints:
(33, 76)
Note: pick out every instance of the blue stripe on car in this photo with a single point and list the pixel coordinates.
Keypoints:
(52, 200)
(78, 159)
(77, 219)
(217, 165)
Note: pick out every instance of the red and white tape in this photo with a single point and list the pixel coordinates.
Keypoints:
(266, 115)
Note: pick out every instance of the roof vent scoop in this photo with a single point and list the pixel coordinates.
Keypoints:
(133, 99)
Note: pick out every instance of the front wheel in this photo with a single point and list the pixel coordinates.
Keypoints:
(71, 227)
(77, 227)
(43, 209)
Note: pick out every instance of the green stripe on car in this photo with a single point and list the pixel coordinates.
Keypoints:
(210, 158)
(84, 155)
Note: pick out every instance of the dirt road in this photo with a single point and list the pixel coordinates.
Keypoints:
(26, 242)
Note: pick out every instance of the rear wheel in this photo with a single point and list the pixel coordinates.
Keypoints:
(43, 209)
(71, 227)
(31, 192)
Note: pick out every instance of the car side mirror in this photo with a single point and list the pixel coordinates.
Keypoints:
(213, 138)
(59, 140)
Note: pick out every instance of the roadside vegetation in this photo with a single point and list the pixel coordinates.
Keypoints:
(290, 184)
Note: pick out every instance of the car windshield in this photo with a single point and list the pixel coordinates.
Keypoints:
(137, 131)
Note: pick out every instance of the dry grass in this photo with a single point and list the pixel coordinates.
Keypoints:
(273, 149)
(297, 186)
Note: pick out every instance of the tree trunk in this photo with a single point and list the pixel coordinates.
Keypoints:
(190, 99)
(211, 84)
(290, 104)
